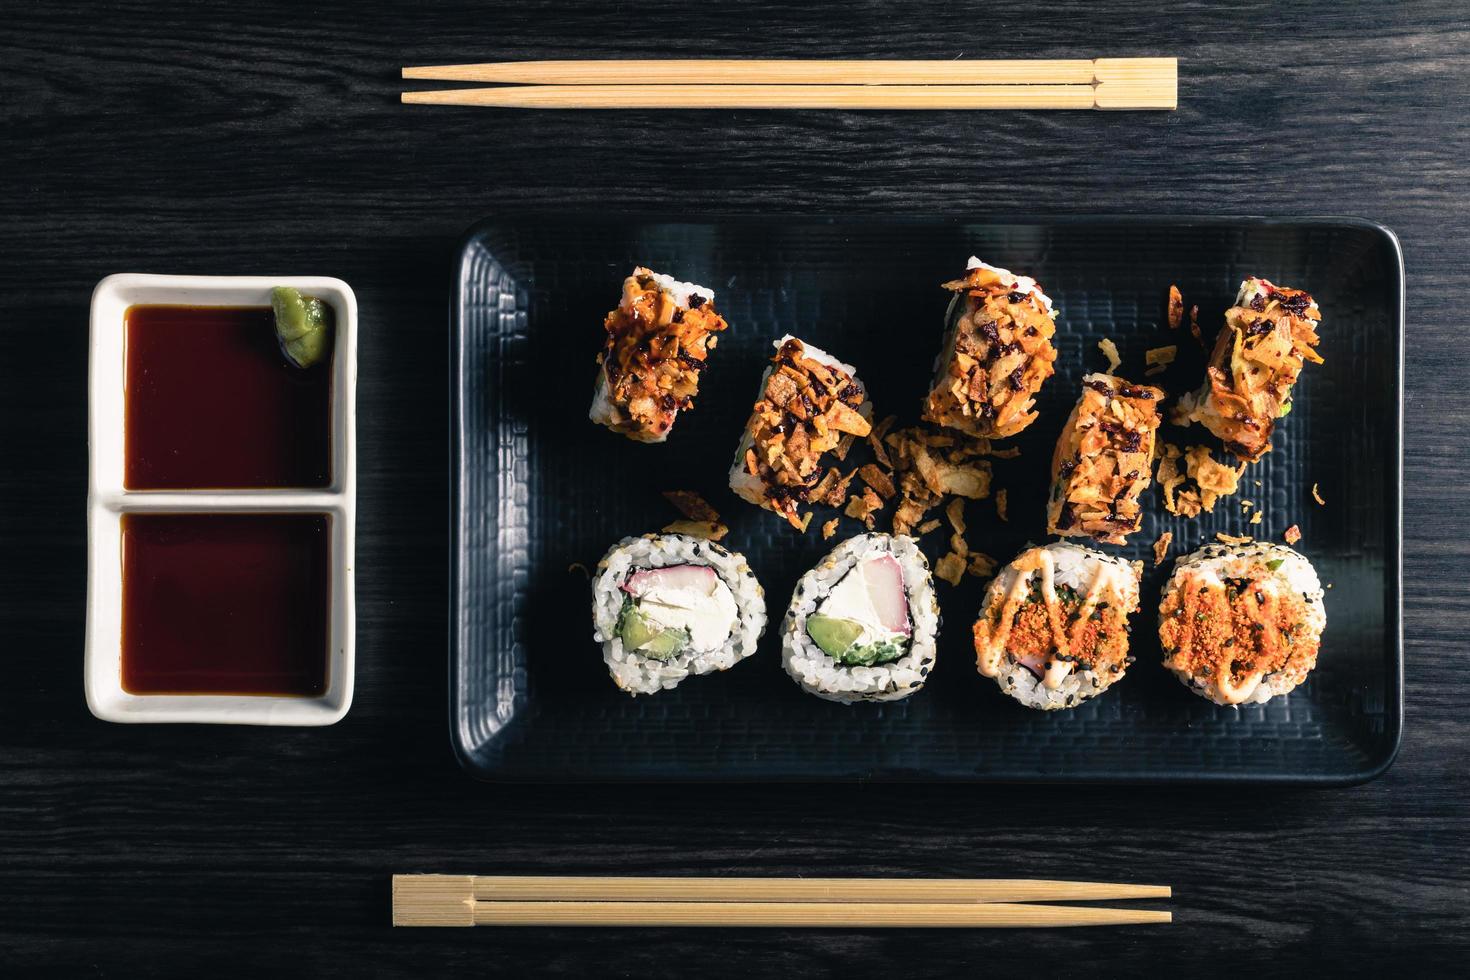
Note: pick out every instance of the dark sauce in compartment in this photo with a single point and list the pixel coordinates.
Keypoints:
(212, 402)
(226, 603)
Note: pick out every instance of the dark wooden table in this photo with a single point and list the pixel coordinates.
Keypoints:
(214, 137)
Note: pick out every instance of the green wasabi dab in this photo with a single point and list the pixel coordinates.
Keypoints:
(303, 326)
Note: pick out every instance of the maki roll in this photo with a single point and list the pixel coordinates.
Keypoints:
(997, 353)
(1241, 624)
(862, 624)
(1101, 463)
(809, 402)
(1269, 334)
(658, 340)
(1054, 628)
(665, 606)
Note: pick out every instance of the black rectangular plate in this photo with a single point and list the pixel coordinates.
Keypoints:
(537, 488)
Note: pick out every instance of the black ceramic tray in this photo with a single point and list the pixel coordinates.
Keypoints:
(537, 488)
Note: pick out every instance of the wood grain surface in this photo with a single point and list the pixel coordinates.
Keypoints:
(227, 137)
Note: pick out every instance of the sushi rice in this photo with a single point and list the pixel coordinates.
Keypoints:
(819, 674)
(639, 674)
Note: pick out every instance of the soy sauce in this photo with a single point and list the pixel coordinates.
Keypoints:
(212, 403)
(226, 603)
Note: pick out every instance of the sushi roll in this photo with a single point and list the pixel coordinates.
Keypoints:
(808, 403)
(997, 353)
(665, 606)
(1053, 631)
(1269, 334)
(658, 342)
(1241, 624)
(862, 624)
(1101, 463)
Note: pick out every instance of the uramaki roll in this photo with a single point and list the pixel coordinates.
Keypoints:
(658, 340)
(997, 353)
(665, 606)
(1101, 463)
(862, 624)
(1054, 628)
(808, 402)
(1269, 334)
(1241, 624)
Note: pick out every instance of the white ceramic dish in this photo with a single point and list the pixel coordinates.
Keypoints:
(108, 501)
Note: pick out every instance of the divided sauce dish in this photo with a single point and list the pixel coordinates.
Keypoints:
(292, 544)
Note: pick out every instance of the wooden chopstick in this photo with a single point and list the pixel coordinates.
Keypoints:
(516, 888)
(468, 900)
(766, 71)
(1104, 83)
(855, 915)
(764, 97)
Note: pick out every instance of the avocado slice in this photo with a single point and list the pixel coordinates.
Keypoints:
(642, 635)
(667, 644)
(635, 628)
(832, 634)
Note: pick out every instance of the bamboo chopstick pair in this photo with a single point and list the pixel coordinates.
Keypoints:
(1102, 83)
(478, 900)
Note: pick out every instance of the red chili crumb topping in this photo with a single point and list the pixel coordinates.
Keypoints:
(1037, 626)
(1252, 625)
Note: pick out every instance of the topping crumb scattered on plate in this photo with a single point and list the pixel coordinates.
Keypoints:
(1000, 505)
(951, 568)
(1110, 351)
(692, 505)
(1158, 358)
(1317, 495)
(930, 466)
(1232, 538)
(830, 528)
(709, 530)
(1292, 535)
(863, 506)
(1161, 547)
(981, 565)
(1203, 482)
(1176, 308)
(875, 439)
(876, 478)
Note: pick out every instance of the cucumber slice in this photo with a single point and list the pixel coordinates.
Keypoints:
(872, 654)
(832, 634)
